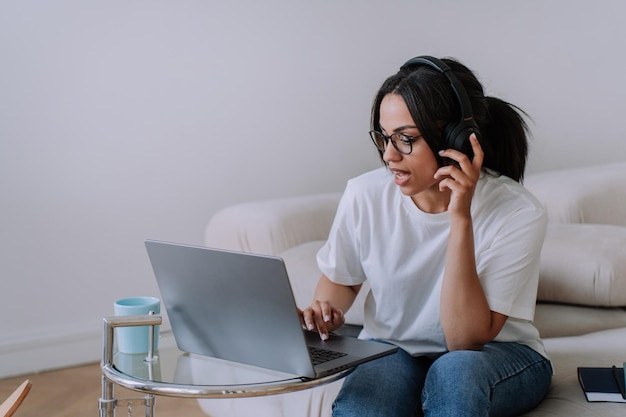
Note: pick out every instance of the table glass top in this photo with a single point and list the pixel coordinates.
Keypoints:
(174, 366)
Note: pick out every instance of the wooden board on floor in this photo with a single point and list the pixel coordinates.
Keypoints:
(72, 392)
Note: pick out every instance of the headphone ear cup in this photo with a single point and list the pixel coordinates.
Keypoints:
(456, 136)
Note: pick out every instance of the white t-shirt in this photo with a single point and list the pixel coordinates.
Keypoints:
(381, 236)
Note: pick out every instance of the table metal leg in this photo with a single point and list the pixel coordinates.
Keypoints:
(149, 401)
(107, 402)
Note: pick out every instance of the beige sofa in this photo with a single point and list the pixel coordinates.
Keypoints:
(582, 291)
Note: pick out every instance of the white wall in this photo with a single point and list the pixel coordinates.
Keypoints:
(126, 120)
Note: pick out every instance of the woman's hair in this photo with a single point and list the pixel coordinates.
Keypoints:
(433, 104)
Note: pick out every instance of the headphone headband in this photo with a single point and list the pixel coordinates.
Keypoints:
(456, 134)
(457, 86)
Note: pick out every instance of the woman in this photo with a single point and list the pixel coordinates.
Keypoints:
(449, 243)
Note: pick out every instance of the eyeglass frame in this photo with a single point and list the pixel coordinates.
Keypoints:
(408, 140)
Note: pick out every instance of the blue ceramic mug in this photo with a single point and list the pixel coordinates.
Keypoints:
(135, 339)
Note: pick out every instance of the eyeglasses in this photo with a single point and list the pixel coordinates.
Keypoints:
(403, 143)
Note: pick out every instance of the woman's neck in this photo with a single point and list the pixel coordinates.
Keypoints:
(432, 200)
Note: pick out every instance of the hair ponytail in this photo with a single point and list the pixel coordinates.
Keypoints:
(505, 131)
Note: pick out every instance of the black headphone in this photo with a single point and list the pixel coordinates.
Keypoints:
(456, 133)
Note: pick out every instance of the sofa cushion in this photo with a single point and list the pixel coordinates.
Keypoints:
(565, 397)
(584, 264)
(560, 320)
(592, 195)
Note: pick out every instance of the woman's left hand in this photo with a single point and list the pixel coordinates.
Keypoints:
(461, 179)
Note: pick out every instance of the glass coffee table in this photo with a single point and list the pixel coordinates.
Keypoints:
(171, 372)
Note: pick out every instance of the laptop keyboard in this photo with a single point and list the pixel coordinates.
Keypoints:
(322, 355)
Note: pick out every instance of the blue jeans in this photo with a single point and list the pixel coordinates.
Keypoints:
(503, 379)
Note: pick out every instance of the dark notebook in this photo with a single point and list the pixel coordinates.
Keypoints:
(603, 384)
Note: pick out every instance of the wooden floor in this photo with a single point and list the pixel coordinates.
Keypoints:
(74, 392)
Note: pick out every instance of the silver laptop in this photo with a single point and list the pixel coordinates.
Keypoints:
(239, 307)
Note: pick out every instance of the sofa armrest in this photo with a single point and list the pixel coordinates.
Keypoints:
(271, 227)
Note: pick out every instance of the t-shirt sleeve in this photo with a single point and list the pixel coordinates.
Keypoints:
(509, 268)
(339, 257)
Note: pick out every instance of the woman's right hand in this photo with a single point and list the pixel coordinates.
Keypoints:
(322, 317)
(325, 314)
